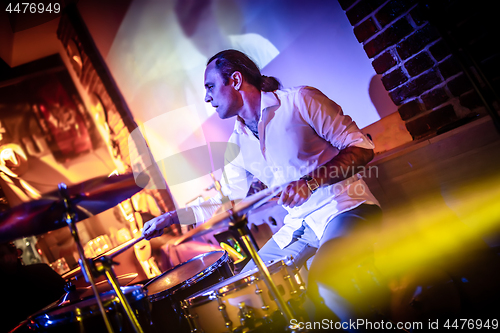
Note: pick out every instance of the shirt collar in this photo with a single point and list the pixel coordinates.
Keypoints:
(239, 127)
(268, 99)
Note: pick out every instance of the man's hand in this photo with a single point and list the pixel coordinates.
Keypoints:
(154, 227)
(295, 194)
(345, 163)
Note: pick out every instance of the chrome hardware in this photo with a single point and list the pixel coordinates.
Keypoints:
(246, 315)
(222, 309)
(259, 291)
(193, 327)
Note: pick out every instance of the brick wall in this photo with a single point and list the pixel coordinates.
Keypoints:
(425, 52)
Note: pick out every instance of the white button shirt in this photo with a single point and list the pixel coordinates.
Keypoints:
(300, 129)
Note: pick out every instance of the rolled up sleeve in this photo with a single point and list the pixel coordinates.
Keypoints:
(328, 120)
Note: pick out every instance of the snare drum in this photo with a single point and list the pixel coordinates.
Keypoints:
(168, 290)
(243, 302)
(85, 316)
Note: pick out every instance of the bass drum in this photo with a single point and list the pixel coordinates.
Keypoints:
(166, 291)
(84, 316)
(244, 303)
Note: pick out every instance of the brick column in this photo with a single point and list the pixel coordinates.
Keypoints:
(423, 76)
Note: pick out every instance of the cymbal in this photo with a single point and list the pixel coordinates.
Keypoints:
(86, 199)
(224, 219)
(85, 291)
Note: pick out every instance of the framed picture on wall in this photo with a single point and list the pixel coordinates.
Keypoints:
(45, 102)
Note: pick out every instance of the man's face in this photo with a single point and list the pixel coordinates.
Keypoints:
(224, 98)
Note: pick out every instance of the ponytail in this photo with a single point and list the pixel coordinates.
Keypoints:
(269, 83)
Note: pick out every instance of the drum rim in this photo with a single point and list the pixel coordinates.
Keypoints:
(189, 282)
(248, 278)
(57, 316)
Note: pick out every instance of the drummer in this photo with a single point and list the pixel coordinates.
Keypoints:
(301, 137)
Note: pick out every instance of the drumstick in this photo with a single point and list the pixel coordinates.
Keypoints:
(120, 248)
(111, 253)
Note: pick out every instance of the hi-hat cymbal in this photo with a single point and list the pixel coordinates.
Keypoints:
(224, 219)
(86, 199)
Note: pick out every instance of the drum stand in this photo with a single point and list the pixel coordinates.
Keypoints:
(239, 223)
(88, 267)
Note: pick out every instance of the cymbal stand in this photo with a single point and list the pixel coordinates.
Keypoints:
(106, 267)
(70, 219)
(239, 223)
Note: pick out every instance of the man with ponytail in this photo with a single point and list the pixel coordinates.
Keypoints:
(298, 136)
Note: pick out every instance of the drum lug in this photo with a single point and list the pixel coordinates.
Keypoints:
(295, 281)
(259, 292)
(246, 315)
(292, 285)
(191, 319)
(222, 309)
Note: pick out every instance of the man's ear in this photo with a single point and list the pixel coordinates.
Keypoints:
(237, 80)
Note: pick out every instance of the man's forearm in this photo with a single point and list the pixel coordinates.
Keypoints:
(348, 162)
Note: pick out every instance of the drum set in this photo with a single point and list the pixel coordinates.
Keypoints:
(199, 295)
